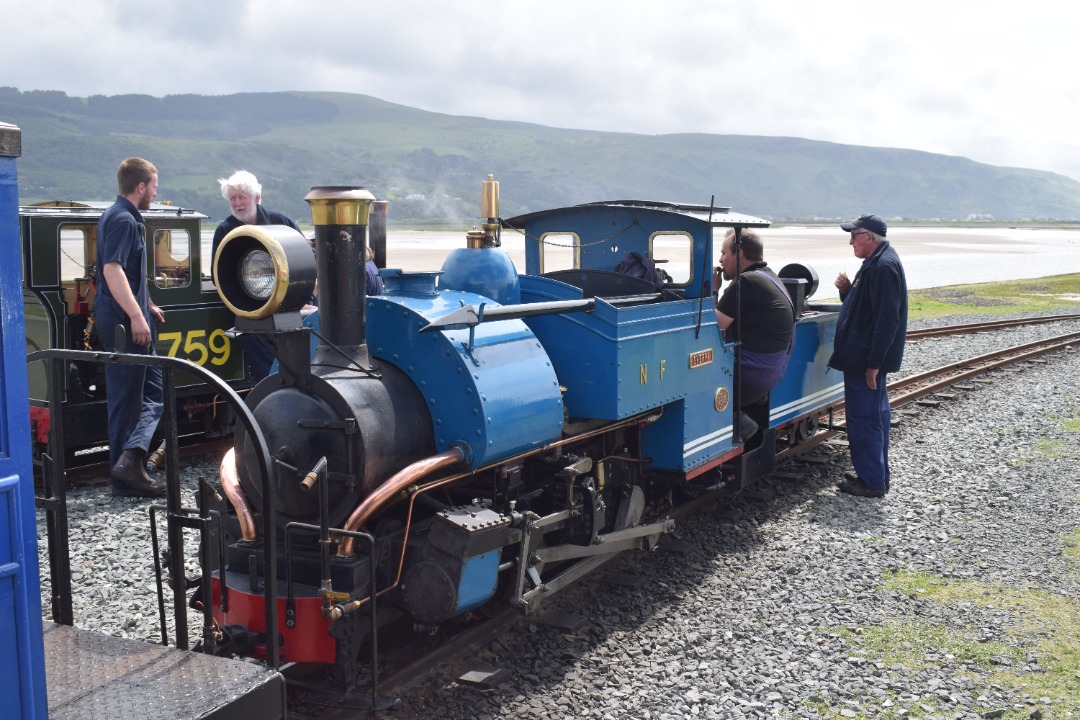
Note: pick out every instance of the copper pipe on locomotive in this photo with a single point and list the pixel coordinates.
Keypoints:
(230, 484)
(400, 482)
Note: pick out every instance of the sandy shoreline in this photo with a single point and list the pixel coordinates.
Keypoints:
(933, 256)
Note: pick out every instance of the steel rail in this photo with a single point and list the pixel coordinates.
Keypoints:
(915, 387)
(986, 326)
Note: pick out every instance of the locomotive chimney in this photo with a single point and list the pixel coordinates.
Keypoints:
(341, 216)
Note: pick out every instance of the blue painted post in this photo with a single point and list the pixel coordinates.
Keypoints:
(22, 650)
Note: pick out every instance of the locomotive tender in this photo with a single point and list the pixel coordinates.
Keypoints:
(475, 435)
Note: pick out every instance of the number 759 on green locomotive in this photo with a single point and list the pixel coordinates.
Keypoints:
(59, 277)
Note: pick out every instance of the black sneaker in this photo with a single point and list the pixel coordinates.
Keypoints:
(850, 476)
(129, 477)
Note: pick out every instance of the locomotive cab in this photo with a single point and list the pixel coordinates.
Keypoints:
(59, 243)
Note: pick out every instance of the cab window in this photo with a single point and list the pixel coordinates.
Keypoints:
(77, 267)
(673, 253)
(76, 260)
(172, 258)
(559, 251)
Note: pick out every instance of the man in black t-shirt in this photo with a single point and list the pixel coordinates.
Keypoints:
(764, 321)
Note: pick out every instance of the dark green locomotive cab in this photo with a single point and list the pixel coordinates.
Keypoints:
(59, 241)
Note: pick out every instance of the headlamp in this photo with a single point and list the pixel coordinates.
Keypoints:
(262, 270)
(256, 274)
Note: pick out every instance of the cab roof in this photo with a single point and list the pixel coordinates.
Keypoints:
(92, 209)
(716, 215)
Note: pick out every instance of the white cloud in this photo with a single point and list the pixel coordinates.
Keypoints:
(992, 81)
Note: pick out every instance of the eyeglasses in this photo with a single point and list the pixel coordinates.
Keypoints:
(861, 232)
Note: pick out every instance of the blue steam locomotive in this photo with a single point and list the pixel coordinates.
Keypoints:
(478, 435)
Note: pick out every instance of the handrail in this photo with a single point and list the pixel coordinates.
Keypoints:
(244, 417)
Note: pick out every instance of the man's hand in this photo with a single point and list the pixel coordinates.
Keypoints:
(140, 331)
(871, 378)
(842, 283)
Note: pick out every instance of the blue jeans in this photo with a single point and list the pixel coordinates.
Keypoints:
(867, 416)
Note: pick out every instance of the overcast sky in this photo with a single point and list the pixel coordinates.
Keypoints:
(993, 81)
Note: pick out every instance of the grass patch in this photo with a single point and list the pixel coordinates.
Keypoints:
(1051, 448)
(995, 299)
(1069, 424)
(1071, 552)
(1038, 656)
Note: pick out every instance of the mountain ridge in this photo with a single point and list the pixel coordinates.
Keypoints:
(430, 165)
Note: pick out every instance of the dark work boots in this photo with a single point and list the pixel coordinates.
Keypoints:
(129, 477)
(746, 425)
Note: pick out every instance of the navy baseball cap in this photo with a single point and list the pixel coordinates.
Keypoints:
(869, 222)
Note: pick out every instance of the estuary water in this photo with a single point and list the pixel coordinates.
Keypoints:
(933, 256)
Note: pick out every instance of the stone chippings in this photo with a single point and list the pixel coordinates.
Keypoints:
(757, 618)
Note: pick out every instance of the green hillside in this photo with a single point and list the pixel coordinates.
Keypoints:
(430, 165)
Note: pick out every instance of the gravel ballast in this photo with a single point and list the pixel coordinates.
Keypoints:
(769, 611)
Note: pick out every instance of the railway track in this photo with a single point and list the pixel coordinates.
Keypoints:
(927, 387)
(92, 468)
(986, 326)
(930, 387)
(915, 387)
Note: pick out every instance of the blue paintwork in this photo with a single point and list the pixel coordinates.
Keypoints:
(484, 271)
(808, 383)
(479, 575)
(493, 392)
(495, 389)
(620, 362)
(22, 651)
(608, 232)
(616, 362)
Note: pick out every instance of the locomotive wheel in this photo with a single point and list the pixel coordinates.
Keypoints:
(805, 429)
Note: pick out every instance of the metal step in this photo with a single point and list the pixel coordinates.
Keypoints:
(91, 675)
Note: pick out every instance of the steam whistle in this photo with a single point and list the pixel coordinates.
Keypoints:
(489, 210)
(481, 266)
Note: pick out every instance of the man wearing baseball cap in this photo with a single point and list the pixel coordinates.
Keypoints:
(869, 344)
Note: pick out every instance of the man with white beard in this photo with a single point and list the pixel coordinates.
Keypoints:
(244, 194)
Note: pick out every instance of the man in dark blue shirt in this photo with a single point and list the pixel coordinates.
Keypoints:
(244, 194)
(869, 343)
(134, 396)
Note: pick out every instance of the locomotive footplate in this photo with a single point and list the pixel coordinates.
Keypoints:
(94, 675)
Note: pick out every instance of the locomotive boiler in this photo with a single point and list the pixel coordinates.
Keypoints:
(476, 435)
